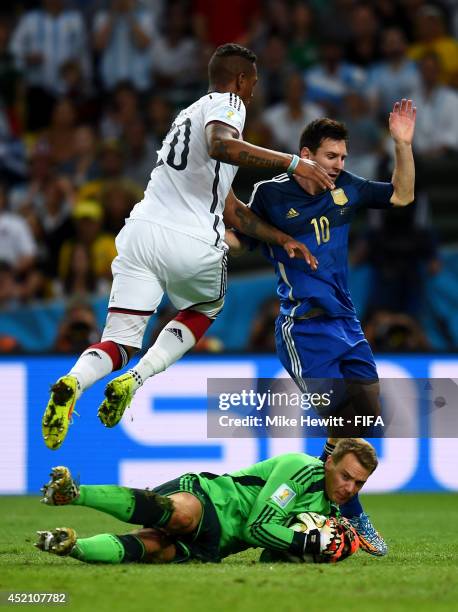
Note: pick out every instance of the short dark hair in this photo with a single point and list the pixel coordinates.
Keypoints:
(227, 61)
(316, 131)
(364, 452)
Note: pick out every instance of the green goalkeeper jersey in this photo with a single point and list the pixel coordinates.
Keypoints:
(255, 505)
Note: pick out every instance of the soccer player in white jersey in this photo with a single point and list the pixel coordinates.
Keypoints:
(173, 242)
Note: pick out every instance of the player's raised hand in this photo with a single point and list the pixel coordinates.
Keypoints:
(402, 121)
(311, 170)
(299, 250)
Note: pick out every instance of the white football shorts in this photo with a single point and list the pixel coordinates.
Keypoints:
(153, 260)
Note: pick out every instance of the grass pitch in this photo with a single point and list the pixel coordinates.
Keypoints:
(420, 572)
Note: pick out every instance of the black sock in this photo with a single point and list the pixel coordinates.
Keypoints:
(151, 509)
(133, 548)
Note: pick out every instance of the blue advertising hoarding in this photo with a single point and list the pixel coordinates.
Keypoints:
(165, 432)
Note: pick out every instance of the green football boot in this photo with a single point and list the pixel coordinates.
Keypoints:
(61, 489)
(118, 393)
(56, 418)
(60, 541)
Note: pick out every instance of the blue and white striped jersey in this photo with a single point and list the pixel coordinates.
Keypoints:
(57, 39)
(122, 59)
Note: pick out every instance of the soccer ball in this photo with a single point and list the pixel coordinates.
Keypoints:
(344, 544)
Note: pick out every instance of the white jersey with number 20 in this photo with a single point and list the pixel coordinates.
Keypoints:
(187, 189)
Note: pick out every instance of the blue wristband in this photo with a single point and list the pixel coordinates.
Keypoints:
(293, 165)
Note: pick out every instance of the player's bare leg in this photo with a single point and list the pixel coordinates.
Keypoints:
(177, 513)
(186, 515)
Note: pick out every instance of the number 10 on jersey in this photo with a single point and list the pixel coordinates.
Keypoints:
(321, 227)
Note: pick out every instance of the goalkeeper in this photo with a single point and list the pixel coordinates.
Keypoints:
(208, 517)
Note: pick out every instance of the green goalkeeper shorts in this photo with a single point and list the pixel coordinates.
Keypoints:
(202, 545)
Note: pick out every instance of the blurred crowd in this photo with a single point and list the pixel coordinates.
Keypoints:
(88, 90)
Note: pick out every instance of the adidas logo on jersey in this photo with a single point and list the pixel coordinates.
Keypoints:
(176, 332)
(292, 213)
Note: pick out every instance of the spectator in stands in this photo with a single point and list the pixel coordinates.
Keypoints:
(366, 143)
(53, 213)
(13, 166)
(74, 85)
(42, 279)
(329, 81)
(274, 70)
(287, 119)
(453, 17)
(99, 246)
(175, 61)
(390, 14)
(19, 249)
(42, 42)
(9, 289)
(256, 129)
(159, 117)
(276, 18)
(79, 90)
(396, 76)
(117, 202)
(111, 161)
(436, 133)
(262, 336)
(394, 332)
(334, 19)
(80, 278)
(29, 192)
(123, 109)
(402, 254)
(363, 48)
(10, 79)
(59, 136)
(303, 47)
(432, 36)
(78, 328)
(140, 153)
(83, 165)
(17, 246)
(123, 35)
(216, 23)
(47, 214)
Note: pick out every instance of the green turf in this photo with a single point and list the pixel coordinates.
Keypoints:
(420, 573)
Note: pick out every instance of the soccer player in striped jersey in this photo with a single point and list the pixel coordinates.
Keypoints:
(208, 517)
(318, 334)
(173, 242)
